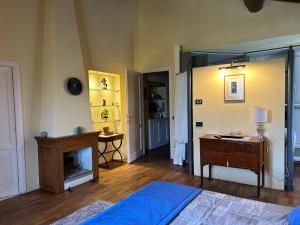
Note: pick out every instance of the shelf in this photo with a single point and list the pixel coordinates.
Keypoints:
(108, 121)
(103, 106)
(104, 90)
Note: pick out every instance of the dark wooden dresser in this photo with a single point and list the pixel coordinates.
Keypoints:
(247, 153)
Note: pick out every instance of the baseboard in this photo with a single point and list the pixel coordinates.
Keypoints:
(135, 155)
(32, 187)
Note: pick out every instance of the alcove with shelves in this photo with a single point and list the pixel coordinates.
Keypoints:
(105, 100)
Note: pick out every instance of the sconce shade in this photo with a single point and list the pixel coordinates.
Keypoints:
(260, 115)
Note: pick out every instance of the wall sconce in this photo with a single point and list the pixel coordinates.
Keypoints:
(240, 66)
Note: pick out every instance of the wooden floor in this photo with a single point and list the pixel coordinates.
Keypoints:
(42, 208)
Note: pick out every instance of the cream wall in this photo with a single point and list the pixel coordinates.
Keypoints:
(264, 87)
(20, 23)
(106, 32)
(201, 24)
(198, 24)
(62, 58)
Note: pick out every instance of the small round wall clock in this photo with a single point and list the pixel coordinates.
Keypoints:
(74, 86)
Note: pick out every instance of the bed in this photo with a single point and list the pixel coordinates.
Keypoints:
(206, 208)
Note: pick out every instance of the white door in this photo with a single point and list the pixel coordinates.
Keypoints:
(134, 115)
(8, 151)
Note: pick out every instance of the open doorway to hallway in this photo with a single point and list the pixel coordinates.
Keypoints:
(156, 112)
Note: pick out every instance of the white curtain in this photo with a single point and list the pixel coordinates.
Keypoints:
(181, 122)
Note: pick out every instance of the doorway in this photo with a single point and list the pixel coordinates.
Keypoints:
(156, 111)
(11, 132)
(148, 100)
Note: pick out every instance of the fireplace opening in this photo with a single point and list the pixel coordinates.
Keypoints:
(77, 164)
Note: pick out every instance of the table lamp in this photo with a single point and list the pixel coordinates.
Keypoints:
(260, 117)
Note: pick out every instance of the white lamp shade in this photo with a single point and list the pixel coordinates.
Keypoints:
(260, 115)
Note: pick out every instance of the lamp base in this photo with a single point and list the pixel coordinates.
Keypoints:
(260, 130)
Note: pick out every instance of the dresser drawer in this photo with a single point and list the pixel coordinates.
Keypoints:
(212, 145)
(242, 161)
(240, 147)
(214, 158)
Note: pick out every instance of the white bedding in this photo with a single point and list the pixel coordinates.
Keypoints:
(211, 208)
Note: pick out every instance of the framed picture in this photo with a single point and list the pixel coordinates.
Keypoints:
(234, 88)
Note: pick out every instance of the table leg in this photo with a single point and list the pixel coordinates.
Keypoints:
(201, 167)
(209, 168)
(101, 154)
(258, 183)
(263, 175)
(117, 149)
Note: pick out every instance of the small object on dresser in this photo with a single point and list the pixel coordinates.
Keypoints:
(78, 130)
(107, 131)
(103, 102)
(260, 117)
(44, 134)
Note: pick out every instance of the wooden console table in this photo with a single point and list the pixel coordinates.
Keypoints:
(51, 158)
(247, 153)
(110, 138)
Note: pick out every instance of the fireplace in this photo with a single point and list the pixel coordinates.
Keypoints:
(77, 167)
(65, 162)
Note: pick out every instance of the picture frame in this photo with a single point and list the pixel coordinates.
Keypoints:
(234, 88)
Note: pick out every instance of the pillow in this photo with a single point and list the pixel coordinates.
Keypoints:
(294, 216)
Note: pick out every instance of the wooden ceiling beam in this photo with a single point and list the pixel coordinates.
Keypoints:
(254, 5)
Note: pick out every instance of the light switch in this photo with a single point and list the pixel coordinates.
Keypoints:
(198, 101)
(199, 124)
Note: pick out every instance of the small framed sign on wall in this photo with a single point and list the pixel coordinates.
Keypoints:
(234, 88)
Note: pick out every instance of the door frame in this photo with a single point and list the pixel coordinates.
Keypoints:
(171, 113)
(290, 95)
(19, 123)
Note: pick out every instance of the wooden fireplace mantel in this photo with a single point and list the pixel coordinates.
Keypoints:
(51, 158)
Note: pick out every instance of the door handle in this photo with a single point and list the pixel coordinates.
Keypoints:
(128, 119)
